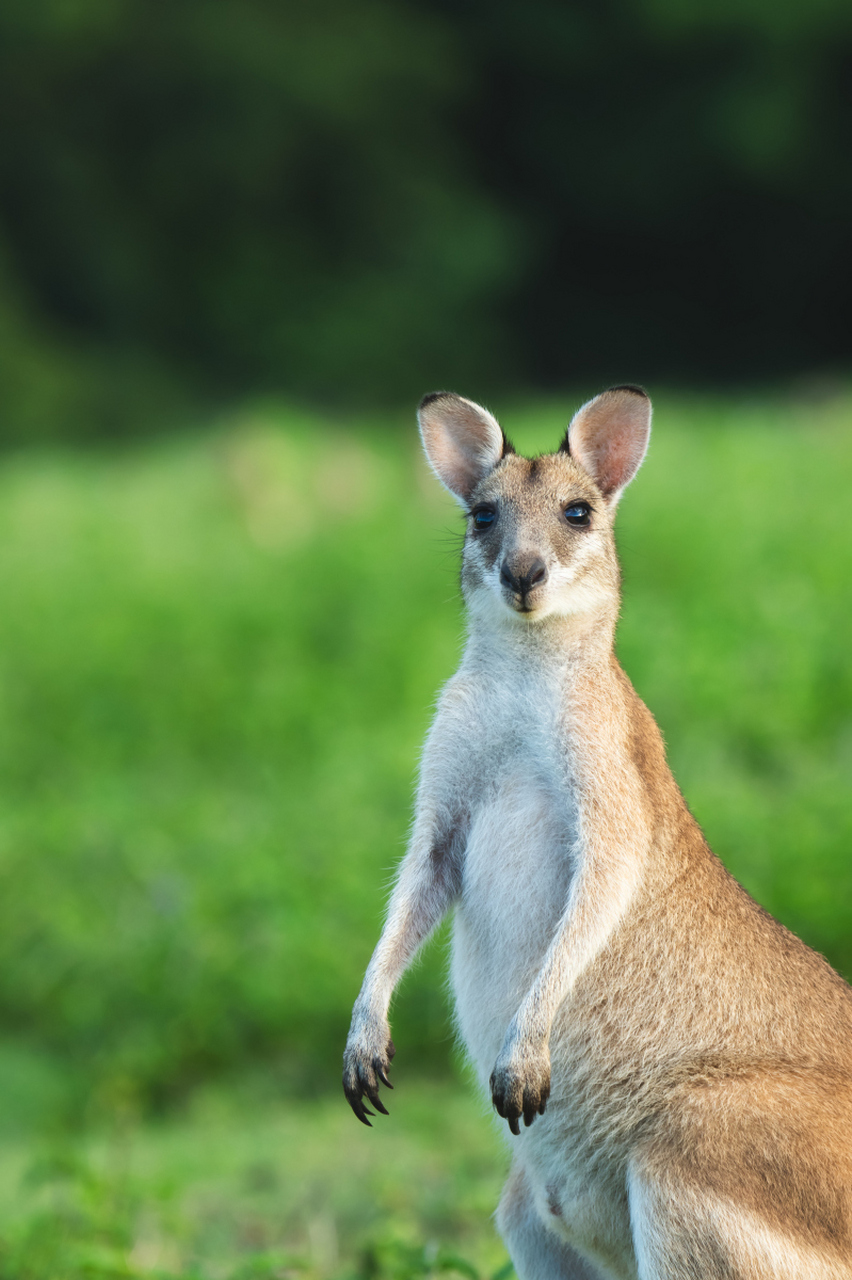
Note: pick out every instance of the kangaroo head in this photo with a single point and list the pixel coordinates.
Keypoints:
(539, 540)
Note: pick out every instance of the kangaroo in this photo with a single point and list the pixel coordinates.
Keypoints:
(682, 1063)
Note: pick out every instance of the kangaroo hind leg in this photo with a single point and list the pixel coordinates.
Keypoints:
(682, 1233)
(536, 1251)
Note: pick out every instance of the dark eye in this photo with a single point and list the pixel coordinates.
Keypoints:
(483, 517)
(578, 514)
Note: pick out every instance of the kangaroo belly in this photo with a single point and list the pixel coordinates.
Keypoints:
(517, 872)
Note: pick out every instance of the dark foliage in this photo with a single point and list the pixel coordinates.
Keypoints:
(341, 202)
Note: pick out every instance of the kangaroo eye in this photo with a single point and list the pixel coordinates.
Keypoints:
(578, 514)
(483, 517)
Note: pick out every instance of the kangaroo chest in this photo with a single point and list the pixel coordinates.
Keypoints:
(520, 854)
(524, 846)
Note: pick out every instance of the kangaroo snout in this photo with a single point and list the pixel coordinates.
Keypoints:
(522, 574)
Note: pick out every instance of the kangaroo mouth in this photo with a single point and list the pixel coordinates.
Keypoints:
(524, 604)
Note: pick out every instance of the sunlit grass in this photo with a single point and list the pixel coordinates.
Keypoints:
(241, 1185)
(218, 658)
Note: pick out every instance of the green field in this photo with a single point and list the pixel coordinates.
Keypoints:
(218, 656)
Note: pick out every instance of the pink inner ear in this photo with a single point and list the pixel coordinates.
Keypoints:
(609, 436)
(463, 442)
(620, 458)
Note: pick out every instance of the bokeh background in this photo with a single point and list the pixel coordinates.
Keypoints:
(238, 241)
(344, 202)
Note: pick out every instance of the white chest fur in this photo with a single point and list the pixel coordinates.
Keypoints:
(511, 769)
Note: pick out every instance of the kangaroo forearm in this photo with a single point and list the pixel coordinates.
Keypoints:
(409, 925)
(600, 894)
(426, 889)
(610, 854)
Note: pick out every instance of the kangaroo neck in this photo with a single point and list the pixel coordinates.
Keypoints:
(556, 649)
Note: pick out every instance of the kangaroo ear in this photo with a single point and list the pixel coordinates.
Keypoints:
(609, 436)
(463, 442)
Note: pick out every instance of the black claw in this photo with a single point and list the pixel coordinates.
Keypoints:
(542, 1105)
(514, 1126)
(360, 1086)
(529, 1116)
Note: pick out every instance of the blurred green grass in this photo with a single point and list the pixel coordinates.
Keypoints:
(242, 1186)
(218, 657)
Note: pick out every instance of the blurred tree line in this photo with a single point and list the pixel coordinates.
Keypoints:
(347, 201)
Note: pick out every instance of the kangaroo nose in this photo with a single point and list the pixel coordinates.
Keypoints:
(523, 575)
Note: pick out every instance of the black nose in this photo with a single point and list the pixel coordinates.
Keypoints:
(523, 575)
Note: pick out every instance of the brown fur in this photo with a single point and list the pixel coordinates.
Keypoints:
(683, 1060)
